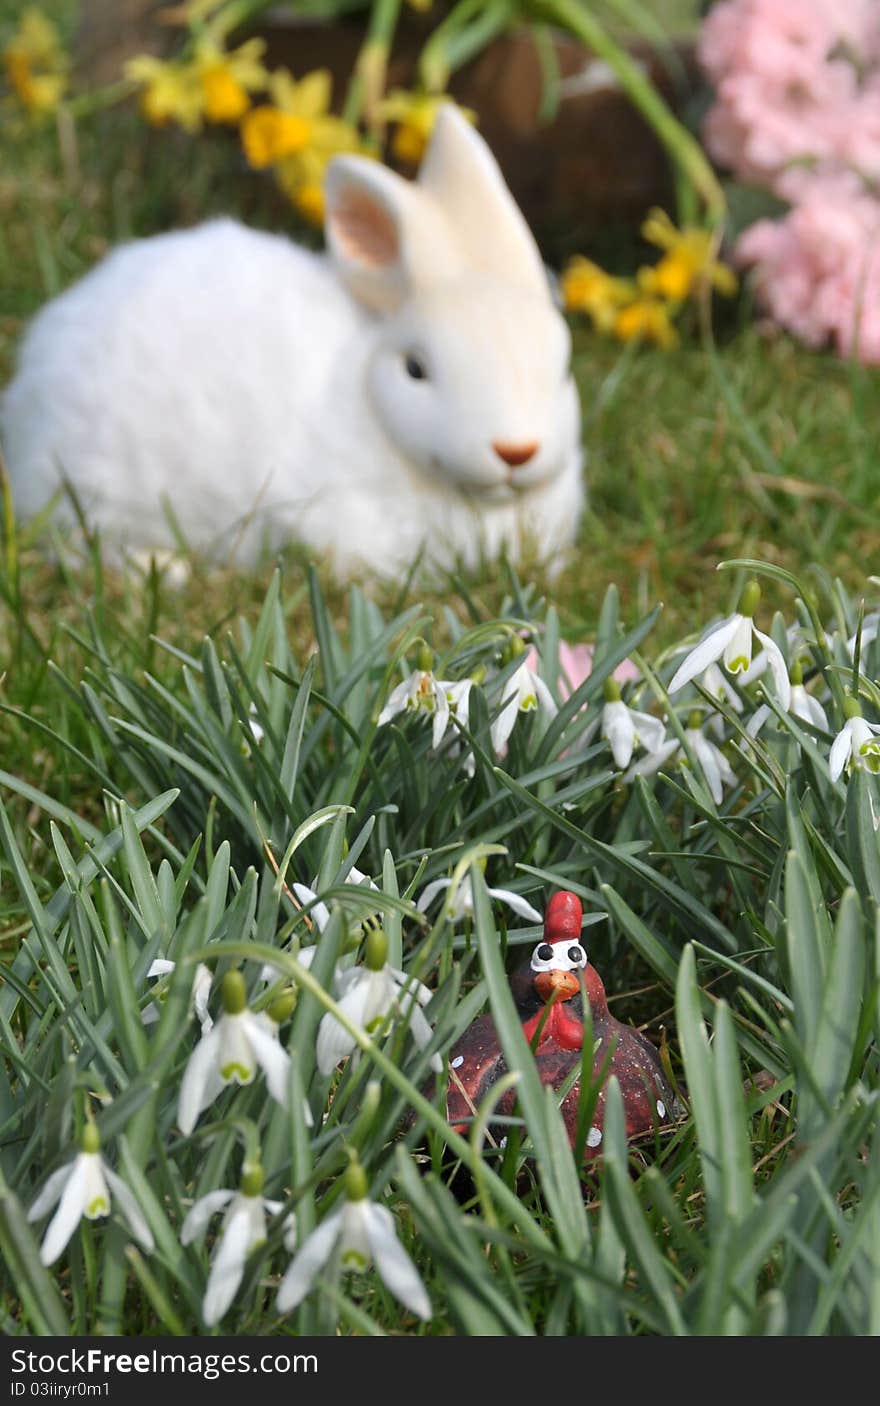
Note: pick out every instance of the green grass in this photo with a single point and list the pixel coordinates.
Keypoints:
(758, 1213)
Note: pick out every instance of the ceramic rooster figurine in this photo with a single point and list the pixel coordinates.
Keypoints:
(559, 974)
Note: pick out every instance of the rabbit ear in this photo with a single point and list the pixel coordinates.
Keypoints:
(463, 177)
(386, 235)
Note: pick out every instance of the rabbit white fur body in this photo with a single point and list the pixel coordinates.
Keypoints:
(268, 393)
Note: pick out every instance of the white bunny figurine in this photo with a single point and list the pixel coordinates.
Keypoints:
(409, 390)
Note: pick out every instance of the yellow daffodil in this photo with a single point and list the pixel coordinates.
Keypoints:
(688, 261)
(588, 288)
(646, 320)
(229, 78)
(36, 64)
(171, 91)
(213, 86)
(298, 135)
(414, 115)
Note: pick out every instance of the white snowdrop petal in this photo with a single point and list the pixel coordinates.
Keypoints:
(228, 1264)
(131, 1211)
(619, 730)
(393, 1264)
(200, 1213)
(517, 904)
(202, 1063)
(50, 1192)
(545, 698)
(430, 892)
(69, 1213)
(737, 654)
(646, 766)
(650, 731)
(160, 967)
(503, 725)
(334, 1042)
(705, 755)
(318, 911)
(705, 653)
(311, 1257)
(441, 715)
(396, 702)
(840, 750)
(778, 668)
(272, 1058)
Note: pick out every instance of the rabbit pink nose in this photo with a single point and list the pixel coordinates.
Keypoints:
(515, 454)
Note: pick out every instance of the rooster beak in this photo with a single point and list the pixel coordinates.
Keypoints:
(564, 984)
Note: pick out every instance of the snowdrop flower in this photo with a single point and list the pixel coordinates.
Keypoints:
(363, 1233)
(230, 1053)
(711, 761)
(731, 641)
(524, 692)
(463, 900)
(622, 727)
(420, 693)
(243, 1230)
(369, 994)
(83, 1188)
(201, 991)
(870, 630)
(803, 706)
(856, 744)
(717, 686)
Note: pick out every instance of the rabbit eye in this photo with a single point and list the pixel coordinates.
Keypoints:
(415, 367)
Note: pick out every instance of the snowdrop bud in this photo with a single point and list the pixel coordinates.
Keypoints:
(252, 1179)
(852, 708)
(376, 950)
(282, 1008)
(612, 691)
(356, 1185)
(425, 658)
(513, 649)
(478, 676)
(749, 600)
(796, 675)
(91, 1139)
(695, 720)
(234, 993)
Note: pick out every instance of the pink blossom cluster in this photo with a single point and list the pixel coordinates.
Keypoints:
(797, 112)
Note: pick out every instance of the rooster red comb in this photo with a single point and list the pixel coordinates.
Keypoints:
(562, 919)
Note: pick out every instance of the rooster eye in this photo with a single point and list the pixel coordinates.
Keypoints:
(577, 956)
(415, 367)
(543, 957)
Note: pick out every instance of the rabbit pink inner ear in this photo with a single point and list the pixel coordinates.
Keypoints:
(364, 231)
